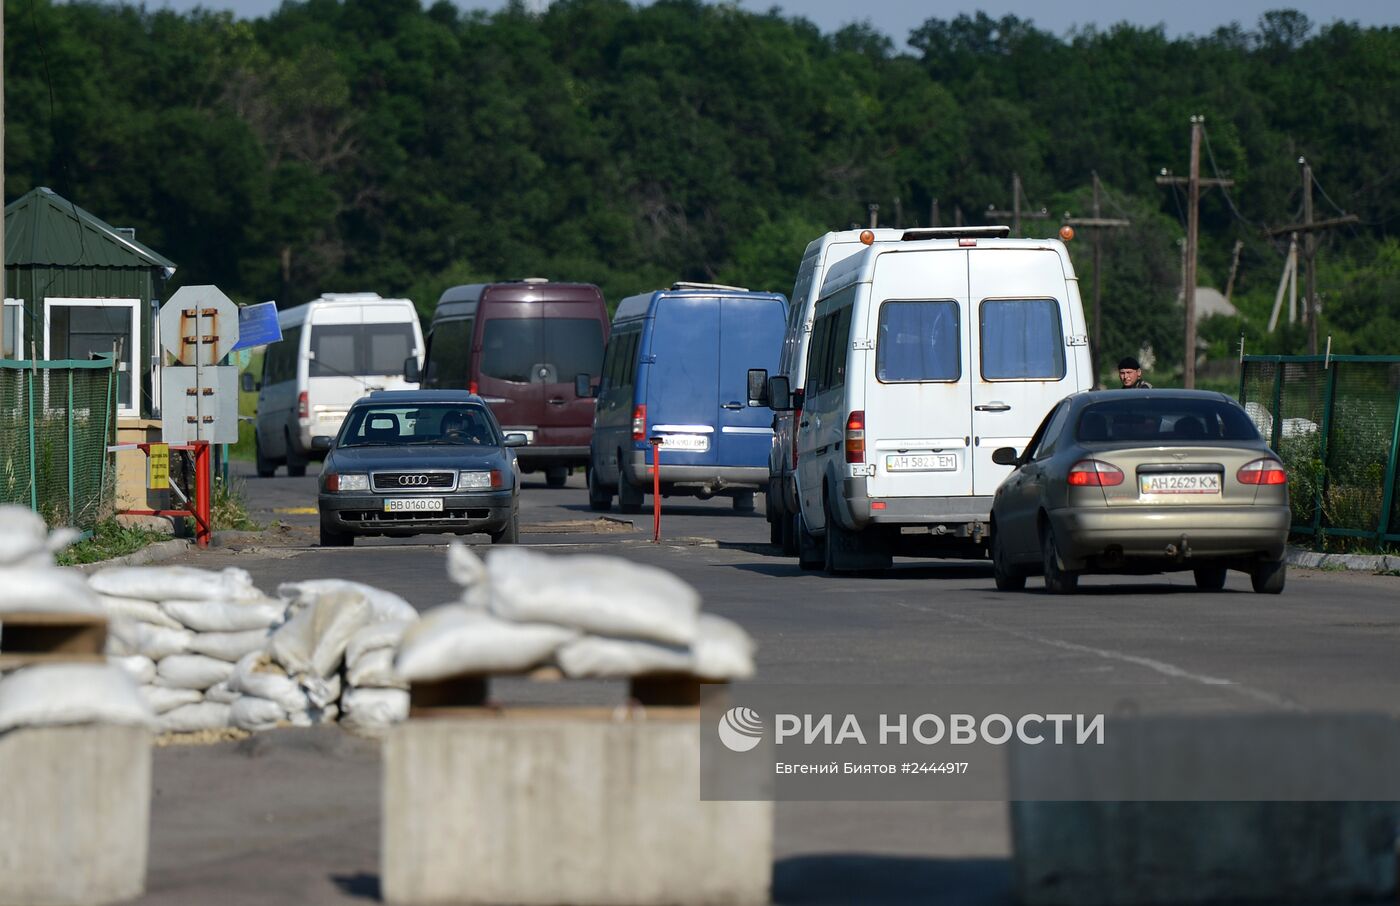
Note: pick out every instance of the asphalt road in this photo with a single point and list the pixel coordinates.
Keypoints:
(292, 816)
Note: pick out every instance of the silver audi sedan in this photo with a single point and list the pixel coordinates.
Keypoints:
(1141, 481)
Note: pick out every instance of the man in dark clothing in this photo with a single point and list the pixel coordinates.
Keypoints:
(1130, 373)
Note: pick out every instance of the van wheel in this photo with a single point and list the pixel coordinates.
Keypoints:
(774, 516)
(810, 555)
(511, 533)
(331, 538)
(266, 468)
(1211, 578)
(789, 542)
(556, 476)
(629, 499)
(1058, 580)
(1007, 577)
(743, 502)
(599, 498)
(1268, 577)
(296, 465)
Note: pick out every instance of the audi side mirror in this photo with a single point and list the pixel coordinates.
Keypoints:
(321, 443)
(1006, 456)
(516, 439)
(779, 394)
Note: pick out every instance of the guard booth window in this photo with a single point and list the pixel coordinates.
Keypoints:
(87, 328)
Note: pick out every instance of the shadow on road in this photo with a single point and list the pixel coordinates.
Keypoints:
(363, 886)
(949, 572)
(890, 880)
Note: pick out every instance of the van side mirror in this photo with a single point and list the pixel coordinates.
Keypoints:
(583, 386)
(411, 372)
(758, 386)
(321, 443)
(247, 383)
(1006, 456)
(779, 394)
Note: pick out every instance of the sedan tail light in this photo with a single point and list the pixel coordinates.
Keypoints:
(1262, 471)
(855, 437)
(1091, 473)
(639, 423)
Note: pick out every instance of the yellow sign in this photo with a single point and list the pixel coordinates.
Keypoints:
(159, 467)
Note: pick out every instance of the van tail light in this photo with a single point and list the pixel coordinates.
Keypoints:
(639, 423)
(1262, 471)
(303, 405)
(855, 437)
(1091, 473)
(471, 387)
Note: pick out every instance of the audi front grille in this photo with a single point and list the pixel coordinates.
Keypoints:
(412, 482)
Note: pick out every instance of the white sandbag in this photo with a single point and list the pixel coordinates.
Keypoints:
(61, 694)
(597, 657)
(314, 716)
(141, 669)
(466, 569)
(46, 589)
(193, 718)
(454, 639)
(176, 583)
(256, 674)
(127, 637)
(226, 616)
(321, 691)
(384, 605)
(313, 642)
(604, 595)
(221, 693)
(373, 708)
(375, 636)
(138, 610)
(253, 713)
(163, 698)
(724, 651)
(230, 646)
(25, 538)
(375, 668)
(191, 671)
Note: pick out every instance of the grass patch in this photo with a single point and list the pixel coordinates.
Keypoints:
(228, 509)
(110, 539)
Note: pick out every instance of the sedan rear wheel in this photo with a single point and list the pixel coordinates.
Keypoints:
(1210, 578)
(1007, 577)
(1058, 580)
(1268, 577)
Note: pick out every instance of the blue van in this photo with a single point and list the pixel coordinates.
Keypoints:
(677, 366)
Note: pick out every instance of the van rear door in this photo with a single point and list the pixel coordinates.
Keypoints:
(1019, 365)
(573, 337)
(682, 389)
(750, 336)
(511, 369)
(918, 386)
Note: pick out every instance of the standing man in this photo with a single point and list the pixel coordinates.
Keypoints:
(1130, 373)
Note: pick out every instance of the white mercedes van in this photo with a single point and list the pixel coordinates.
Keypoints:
(333, 351)
(926, 355)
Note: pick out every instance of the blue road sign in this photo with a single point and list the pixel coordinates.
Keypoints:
(257, 325)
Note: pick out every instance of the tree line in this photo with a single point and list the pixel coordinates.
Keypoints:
(343, 145)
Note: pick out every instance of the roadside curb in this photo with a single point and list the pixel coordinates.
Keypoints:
(1364, 562)
(151, 553)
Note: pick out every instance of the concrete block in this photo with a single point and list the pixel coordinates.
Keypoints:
(75, 805)
(564, 806)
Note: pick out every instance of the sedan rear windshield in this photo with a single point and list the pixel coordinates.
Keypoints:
(435, 423)
(1164, 421)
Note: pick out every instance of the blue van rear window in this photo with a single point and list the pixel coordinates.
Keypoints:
(1021, 339)
(919, 341)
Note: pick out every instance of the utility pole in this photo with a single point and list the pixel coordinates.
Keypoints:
(874, 210)
(1099, 223)
(1193, 185)
(1234, 269)
(1312, 305)
(1015, 213)
(933, 213)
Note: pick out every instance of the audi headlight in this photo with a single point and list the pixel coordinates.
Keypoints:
(479, 481)
(354, 482)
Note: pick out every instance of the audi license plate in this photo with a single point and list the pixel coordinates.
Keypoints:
(413, 505)
(1180, 483)
(922, 462)
(690, 443)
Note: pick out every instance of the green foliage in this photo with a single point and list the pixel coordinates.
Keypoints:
(349, 145)
(228, 509)
(109, 539)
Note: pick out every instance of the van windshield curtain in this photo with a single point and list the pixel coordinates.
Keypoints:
(919, 341)
(541, 350)
(355, 349)
(1021, 339)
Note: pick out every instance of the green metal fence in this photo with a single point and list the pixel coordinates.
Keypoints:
(1335, 423)
(56, 420)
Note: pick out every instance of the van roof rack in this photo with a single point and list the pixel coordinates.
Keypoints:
(686, 284)
(350, 297)
(962, 232)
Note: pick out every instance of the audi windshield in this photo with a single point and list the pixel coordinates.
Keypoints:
(438, 424)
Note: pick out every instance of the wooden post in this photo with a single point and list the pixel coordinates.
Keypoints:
(1016, 214)
(1312, 306)
(1098, 222)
